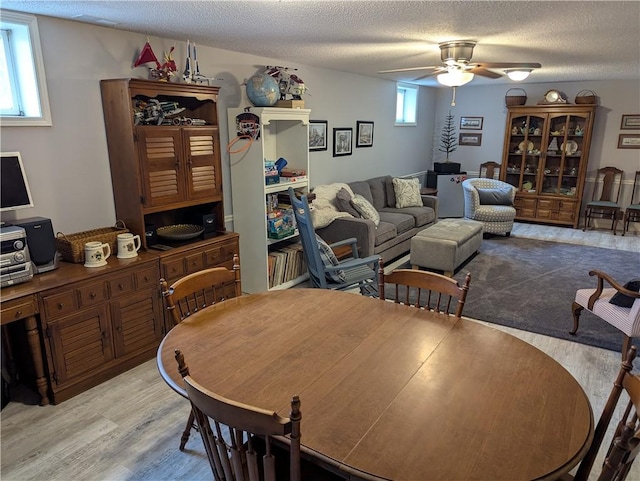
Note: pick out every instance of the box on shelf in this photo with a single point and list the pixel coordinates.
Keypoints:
(290, 104)
(270, 173)
(280, 223)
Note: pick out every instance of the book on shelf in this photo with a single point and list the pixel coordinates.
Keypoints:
(286, 264)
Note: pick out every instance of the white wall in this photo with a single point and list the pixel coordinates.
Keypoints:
(68, 168)
(616, 97)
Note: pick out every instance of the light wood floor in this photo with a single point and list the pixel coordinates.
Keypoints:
(128, 428)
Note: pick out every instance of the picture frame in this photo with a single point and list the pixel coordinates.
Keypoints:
(630, 122)
(471, 123)
(629, 141)
(342, 141)
(318, 135)
(364, 133)
(470, 139)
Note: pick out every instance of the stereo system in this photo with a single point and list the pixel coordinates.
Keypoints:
(41, 241)
(15, 262)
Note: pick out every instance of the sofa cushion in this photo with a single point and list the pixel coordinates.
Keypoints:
(329, 259)
(365, 209)
(385, 232)
(362, 187)
(391, 193)
(402, 222)
(407, 193)
(421, 215)
(496, 195)
(378, 192)
(343, 201)
(324, 209)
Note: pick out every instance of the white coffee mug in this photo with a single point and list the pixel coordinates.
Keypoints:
(96, 254)
(128, 245)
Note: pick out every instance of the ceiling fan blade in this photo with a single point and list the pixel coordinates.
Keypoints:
(505, 65)
(484, 72)
(410, 69)
(435, 72)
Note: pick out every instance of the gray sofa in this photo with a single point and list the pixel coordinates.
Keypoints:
(392, 237)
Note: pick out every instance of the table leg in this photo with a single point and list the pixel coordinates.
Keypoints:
(33, 338)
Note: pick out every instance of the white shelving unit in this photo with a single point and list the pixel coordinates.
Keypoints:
(283, 133)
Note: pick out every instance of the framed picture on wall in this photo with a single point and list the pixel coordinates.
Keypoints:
(630, 122)
(471, 123)
(342, 141)
(318, 135)
(629, 141)
(364, 134)
(473, 140)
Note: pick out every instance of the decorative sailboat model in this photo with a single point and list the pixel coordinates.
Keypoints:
(162, 71)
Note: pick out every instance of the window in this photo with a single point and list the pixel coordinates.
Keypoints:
(23, 88)
(406, 105)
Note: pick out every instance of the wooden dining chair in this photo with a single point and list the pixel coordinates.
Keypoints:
(195, 292)
(605, 203)
(489, 169)
(240, 440)
(625, 442)
(424, 289)
(632, 211)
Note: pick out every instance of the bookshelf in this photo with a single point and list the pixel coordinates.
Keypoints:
(284, 133)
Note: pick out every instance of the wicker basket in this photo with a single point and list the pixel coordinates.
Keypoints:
(71, 247)
(513, 100)
(588, 97)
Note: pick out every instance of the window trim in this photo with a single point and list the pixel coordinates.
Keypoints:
(44, 120)
(407, 87)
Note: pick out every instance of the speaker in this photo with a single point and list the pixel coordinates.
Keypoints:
(41, 242)
(208, 221)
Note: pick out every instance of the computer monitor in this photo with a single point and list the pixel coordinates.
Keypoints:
(14, 188)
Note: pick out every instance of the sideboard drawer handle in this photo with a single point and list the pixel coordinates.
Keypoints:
(60, 306)
(18, 314)
(121, 287)
(92, 295)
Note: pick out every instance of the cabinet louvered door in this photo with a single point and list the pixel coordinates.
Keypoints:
(80, 343)
(137, 322)
(204, 182)
(160, 150)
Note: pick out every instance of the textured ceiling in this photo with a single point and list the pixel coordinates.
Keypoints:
(573, 40)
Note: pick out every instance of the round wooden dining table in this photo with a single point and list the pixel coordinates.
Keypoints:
(389, 391)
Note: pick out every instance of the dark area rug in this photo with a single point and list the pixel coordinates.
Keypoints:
(530, 285)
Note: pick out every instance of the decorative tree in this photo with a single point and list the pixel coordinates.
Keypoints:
(448, 140)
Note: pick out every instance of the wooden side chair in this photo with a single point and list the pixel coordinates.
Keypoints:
(625, 443)
(489, 170)
(240, 440)
(195, 292)
(632, 212)
(424, 289)
(605, 203)
(623, 313)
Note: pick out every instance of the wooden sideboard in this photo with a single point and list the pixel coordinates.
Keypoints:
(87, 325)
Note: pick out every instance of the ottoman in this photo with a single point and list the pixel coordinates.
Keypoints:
(445, 245)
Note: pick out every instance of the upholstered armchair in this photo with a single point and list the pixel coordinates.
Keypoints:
(490, 201)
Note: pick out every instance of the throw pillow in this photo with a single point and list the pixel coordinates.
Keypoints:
(343, 201)
(407, 193)
(329, 259)
(496, 196)
(622, 300)
(365, 209)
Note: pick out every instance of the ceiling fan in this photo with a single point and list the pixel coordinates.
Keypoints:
(457, 69)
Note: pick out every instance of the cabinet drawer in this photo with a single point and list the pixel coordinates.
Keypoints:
(147, 277)
(220, 254)
(121, 285)
(195, 262)
(58, 305)
(548, 204)
(173, 269)
(18, 309)
(92, 294)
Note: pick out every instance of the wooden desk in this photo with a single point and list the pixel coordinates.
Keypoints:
(390, 390)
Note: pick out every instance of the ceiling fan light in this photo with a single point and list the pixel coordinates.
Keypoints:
(518, 75)
(455, 78)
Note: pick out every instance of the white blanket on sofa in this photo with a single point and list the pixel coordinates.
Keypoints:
(323, 208)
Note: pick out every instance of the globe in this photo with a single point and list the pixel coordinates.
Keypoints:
(262, 90)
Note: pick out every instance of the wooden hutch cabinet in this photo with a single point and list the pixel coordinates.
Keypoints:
(546, 151)
(164, 152)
